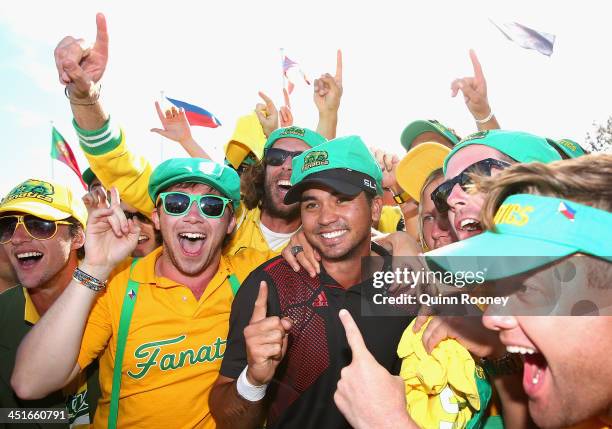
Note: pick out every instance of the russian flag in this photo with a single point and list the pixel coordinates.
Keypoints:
(196, 115)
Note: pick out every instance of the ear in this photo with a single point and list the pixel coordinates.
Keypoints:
(232, 224)
(78, 240)
(377, 204)
(155, 218)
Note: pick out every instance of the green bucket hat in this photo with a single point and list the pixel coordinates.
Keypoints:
(311, 138)
(414, 129)
(88, 176)
(542, 229)
(569, 147)
(518, 145)
(344, 164)
(195, 170)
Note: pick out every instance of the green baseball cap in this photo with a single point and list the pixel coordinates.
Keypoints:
(568, 147)
(414, 129)
(543, 229)
(344, 164)
(88, 176)
(311, 138)
(195, 170)
(518, 145)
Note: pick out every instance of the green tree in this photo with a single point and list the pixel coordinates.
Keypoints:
(600, 140)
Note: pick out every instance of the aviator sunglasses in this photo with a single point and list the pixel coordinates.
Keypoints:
(464, 179)
(37, 228)
(178, 204)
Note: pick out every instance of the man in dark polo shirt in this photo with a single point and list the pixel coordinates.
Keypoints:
(41, 231)
(286, 345)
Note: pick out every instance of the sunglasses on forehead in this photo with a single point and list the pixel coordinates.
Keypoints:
(137, 215)
(37, 228)
(276, 157)
(179, 203)
(483, 168)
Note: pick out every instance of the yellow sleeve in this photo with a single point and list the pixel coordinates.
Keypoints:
(389, 218)
(112, 163)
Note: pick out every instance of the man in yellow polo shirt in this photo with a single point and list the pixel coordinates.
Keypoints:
(181, 295)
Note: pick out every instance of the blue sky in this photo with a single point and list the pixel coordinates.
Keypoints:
(399, 60)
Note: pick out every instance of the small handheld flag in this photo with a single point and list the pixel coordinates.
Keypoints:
(62, 152)
(196, 116)
(289, 64)
(526, 37)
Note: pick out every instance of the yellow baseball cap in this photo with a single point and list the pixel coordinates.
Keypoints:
(416, 166)
(248, 137)
(45, 200)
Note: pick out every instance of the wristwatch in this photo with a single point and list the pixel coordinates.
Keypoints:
(509, 363)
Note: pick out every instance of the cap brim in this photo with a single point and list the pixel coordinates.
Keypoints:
(295, 192)
(416, 166)
(42, 211)
(497, 255)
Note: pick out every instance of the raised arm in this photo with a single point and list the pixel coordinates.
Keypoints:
(474, 90)
(80, 69)
(327, 95)
(47, 357)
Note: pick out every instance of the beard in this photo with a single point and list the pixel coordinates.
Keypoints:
(273, 204)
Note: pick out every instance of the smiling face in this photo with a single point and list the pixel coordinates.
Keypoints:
(437, 231)
(277, 181)
(38, 262)
(338, 226)
(464, 213)
(567, 372)
(192, 242)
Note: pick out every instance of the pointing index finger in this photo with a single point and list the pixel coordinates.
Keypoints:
(339, 66)
(353, 336)
(269, 103)
(101, 33)
(260, 309)
(478, 74)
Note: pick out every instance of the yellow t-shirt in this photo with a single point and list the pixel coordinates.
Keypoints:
(248, 235)
(441, 390)
(174, 347)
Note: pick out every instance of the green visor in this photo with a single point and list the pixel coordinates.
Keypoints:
(540, 229)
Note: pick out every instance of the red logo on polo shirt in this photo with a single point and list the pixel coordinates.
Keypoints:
(320, 300)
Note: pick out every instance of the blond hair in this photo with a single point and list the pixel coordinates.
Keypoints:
(586, 180)
(432, 176)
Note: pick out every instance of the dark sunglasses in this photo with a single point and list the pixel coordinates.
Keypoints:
(464, 179)
(178, 204)
(37, 228)
(276, 157)
(137, 215)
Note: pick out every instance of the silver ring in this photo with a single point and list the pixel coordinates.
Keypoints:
(296, 249)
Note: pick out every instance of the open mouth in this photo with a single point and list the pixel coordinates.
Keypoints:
(142, 238)
(191, 242)
(535, 368)
(469, 226)
(284, 185)
(28, 259)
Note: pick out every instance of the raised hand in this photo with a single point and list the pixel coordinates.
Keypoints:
(80, 67)
(267, 114)
(367, 394)
(328, 89)
(109, 237)
(474, 90)
(388, 163)
(266, 340)
(175, 123)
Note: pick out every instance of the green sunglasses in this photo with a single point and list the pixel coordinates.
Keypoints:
(179, 203)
